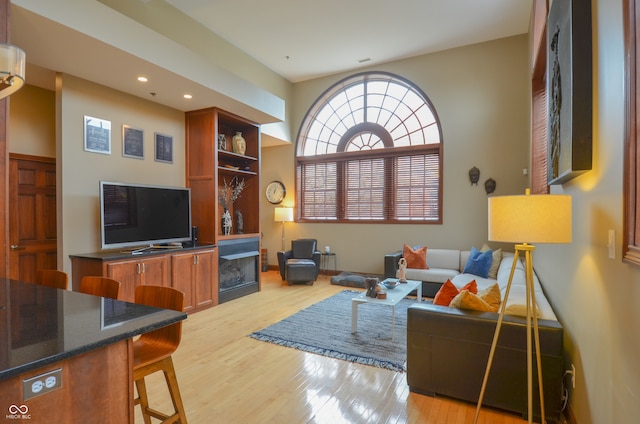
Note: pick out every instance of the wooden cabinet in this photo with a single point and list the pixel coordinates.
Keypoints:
(192, 273)
(192, 270)
(211, 163)
(140, 271)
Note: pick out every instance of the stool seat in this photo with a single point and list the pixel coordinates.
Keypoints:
(146, 352)
(152, 352)
(53, 278)
(100, 286)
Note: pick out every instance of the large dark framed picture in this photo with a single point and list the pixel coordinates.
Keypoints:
(569, 90)
(164, 148)
(132, 142)
(97, 135)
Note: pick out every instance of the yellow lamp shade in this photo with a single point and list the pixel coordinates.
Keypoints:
(283, 215)
(537, 218)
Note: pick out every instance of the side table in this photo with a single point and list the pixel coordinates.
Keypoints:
(325, 260)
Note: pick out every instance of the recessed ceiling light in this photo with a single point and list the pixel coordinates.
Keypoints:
(188, 96)
(143, 79)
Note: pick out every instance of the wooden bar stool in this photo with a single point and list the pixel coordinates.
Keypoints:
(152, 352)
(53, 278)
(100, 286)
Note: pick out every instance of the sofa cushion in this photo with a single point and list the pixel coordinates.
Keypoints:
(448, 291)
(479, 262)
(487, 300)
(495, 263)
(432, 275)
(416, 258)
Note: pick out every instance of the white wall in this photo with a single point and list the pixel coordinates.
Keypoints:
(482, 96)
(595, 297)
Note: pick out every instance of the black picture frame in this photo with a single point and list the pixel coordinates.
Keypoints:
(163, 148)
(97, 135)
(132, 142)
(569, 90)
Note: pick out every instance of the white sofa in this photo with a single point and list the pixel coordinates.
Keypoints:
(449, 264)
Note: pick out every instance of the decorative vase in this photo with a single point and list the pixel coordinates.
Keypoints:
(239, 144)
(226, 222)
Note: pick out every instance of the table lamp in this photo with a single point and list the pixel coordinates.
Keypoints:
(542, 218)
(283, 215)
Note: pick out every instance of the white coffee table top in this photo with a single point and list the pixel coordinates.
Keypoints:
(393, 295)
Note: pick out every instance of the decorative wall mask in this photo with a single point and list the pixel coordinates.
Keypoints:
(474, 175)
(490, 185)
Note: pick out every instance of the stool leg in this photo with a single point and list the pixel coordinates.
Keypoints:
(174, 390)
(143, 400)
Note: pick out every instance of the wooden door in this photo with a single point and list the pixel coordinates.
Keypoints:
(32, 216)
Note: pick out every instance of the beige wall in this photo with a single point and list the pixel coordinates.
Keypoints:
(595, 297)
(79, 172)
(481, 94)
(32, 129)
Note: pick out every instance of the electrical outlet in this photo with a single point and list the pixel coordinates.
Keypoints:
(41, 384)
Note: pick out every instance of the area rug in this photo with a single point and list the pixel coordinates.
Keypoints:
(325, 329)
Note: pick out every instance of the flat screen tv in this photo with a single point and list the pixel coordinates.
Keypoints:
(135, 215)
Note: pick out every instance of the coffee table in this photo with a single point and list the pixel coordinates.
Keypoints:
(393, 297)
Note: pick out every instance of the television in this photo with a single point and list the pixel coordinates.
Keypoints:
(135, 215)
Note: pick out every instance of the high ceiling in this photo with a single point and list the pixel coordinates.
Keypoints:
(304, 39)
(297, 39)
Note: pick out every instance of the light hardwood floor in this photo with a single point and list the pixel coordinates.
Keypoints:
(227, 377)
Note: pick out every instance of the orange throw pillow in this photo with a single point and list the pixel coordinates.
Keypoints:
(416, 259)
(448, 292)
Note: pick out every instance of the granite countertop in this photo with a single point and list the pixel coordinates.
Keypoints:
(41, 325)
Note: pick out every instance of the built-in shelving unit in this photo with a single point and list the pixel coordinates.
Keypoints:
(210, 164)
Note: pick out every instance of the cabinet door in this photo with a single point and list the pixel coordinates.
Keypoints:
(128, 273)
(205, 272)
(155, 271)
(182, 269)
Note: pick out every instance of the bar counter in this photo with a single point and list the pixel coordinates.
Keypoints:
(84, 340)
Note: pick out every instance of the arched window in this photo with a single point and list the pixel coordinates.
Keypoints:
(370, 150)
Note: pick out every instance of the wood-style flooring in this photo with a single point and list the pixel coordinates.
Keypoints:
(227, 377)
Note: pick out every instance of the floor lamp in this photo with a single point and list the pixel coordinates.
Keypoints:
(283, 215)
(543, 218)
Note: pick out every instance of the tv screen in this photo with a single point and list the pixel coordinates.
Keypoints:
(133, 215)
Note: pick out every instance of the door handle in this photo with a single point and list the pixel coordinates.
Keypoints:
(17, 247)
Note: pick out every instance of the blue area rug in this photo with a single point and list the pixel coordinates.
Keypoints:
(325, 329)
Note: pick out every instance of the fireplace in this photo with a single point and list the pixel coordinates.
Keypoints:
(238, 266)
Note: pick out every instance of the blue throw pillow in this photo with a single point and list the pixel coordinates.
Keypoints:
(479, 263)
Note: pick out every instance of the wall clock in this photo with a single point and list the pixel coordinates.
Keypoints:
(275, 192)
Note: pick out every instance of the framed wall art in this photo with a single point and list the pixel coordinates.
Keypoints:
(569, 90)
(132, 142)
(164, 148)
(97, 135)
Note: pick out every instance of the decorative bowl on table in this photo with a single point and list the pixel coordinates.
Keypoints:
(390, 284)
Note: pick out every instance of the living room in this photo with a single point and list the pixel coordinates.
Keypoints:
(482, 95)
